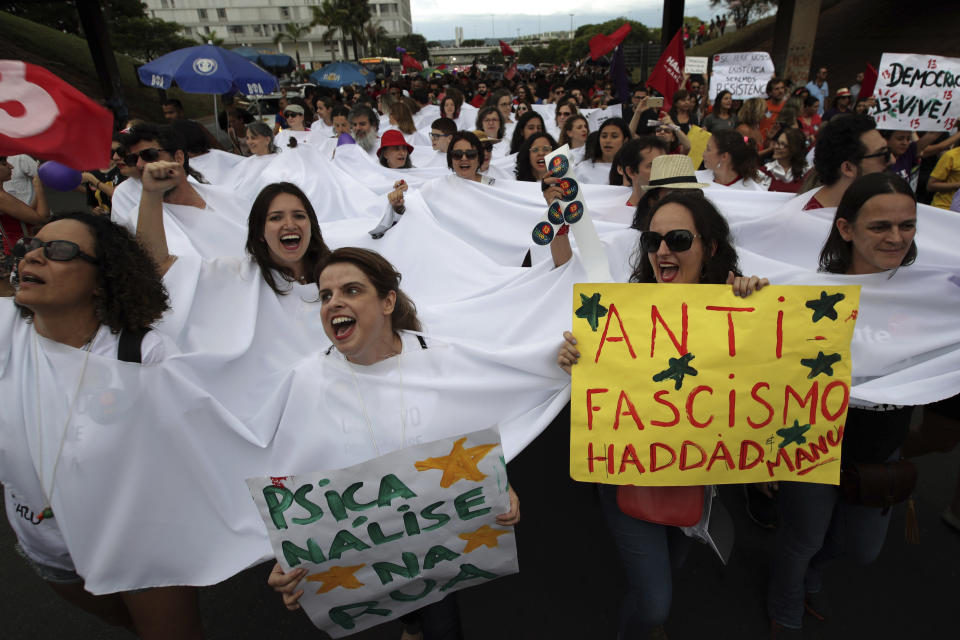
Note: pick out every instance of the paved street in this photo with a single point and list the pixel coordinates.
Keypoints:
(570, 579)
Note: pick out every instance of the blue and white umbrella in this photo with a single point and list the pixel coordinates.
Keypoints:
(207, 69)
(341, 74)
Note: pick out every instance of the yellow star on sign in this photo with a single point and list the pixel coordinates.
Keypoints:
(337, 577)
(460, 464)
(485, 535)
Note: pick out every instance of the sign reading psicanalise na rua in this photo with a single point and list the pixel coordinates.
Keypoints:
(392, 534)
(690, 385)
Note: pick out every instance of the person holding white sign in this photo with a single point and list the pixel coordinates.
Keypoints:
(370, 320)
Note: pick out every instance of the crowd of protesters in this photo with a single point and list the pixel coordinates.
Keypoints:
(808, 140)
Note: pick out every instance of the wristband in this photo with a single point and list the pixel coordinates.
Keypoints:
(564, 230)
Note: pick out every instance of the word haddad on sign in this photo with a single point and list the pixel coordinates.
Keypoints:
(690, 385)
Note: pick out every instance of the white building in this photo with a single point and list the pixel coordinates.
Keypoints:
(255, 23)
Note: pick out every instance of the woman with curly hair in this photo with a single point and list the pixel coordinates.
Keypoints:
(83, 285)
(789, 163)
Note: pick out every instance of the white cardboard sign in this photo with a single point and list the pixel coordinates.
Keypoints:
(917, 92)
(744, 75)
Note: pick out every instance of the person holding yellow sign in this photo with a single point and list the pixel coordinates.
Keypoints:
(685, 240)
(873, 232)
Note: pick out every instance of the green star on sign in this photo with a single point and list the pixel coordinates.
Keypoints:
(823, 307)
(793, 434)
(679, 367)
(591, 310)
(821, 364)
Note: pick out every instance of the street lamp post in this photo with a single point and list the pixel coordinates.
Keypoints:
(571, 26)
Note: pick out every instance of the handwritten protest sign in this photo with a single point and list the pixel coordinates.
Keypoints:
(917, 92)
(695, 65)
(744, 75)
(688, 385)
(393, 534)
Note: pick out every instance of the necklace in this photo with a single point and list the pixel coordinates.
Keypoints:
(47, 512)
(363, 405)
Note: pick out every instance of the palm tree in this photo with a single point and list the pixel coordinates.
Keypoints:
(333, 15)
(359, 15)
(293, 32)
(375, 34)
(210, 38)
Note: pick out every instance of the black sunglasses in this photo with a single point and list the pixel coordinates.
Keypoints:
(459, 154)
(677, 240)
(148, 155)
(291, 114)
(884, 153)
(58, 250)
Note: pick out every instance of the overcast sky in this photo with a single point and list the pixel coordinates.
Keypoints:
(436, 19)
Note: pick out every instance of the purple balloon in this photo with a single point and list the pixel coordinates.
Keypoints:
(345, 138)
(58, 176)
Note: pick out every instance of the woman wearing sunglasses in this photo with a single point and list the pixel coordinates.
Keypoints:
(465, 156)
(685, 240)
(297, 118)
(84, 285)
(873, 232)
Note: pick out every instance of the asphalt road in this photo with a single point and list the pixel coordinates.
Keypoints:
(570, 579)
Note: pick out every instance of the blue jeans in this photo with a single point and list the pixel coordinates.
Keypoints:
(649, 553)
(816, 526)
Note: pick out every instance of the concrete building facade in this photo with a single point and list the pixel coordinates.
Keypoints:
(256, 23)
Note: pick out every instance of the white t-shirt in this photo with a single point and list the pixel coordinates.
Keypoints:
(41, 538)
(20, 184)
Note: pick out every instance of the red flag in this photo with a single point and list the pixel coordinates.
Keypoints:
(601, 45)
(869, 82)
(506, 50)
(441, 66)
(512, 71)
(43, 116)
(667, 76)
(407, 61)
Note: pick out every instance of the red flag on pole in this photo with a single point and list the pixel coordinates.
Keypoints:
(601, 45)
(407, 61)
(667, 76)
(506, 50)
(43, 116)
(869, 82)
(512, 71)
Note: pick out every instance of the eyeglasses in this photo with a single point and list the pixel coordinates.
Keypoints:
(884, 153)
(58, 250)
(677, 240)
(117, 151)
(488, 146)
(148, 155)
(544, 149)
(292, 114)
(437, 136)
(779, 145)
(494, 120)
(460, 154)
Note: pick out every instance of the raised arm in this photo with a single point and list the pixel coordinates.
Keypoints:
(158, 177)
(22, 212)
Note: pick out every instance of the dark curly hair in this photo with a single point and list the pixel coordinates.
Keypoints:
(384, 277)
(837, 253)
(518, 138)
(524, 169)
(130, 293)
(257, 245)
(630, 156)
(714, 234)
(170, 140)
(797, 149)
(839, 142)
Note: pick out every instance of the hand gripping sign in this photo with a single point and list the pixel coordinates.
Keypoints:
(393, 534)
(683, 385)
(43, 116)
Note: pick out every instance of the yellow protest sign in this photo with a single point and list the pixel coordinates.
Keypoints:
(688, 385)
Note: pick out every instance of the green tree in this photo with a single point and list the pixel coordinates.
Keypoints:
(211, 38)
(414, 44)
(147, 38)
(293, 32)
(331, 15)
(741, 11)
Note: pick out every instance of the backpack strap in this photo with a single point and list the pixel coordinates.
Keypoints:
(128, 349)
